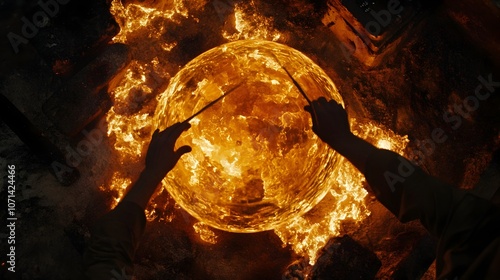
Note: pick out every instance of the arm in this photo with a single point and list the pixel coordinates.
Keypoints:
(333, 128)
(466, 225)
(160, 159)
(400, 186)
(116, 235)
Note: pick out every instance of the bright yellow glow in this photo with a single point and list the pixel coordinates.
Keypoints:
(135, 17)
(256, 163)
(205, 232)
(141, 26)
(251, 26)
(119, 184)
(345, 202)
(384, 144)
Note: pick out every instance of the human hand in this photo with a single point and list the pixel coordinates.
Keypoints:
(330, 122)
(161, 157)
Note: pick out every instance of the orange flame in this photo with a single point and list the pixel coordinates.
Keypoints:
(130, 124)
(346, 202)
(251, 26)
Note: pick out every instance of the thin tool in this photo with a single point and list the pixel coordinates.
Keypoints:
(297, 85)
(212, 103)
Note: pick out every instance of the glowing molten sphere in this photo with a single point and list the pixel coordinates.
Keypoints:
(255, 163)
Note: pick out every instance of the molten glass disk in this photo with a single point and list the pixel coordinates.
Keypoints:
(255, 163)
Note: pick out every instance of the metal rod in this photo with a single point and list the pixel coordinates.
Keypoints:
(212, 103)
(297, 85)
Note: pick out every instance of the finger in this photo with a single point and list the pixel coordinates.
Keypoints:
(322, 100)
(185, 126)
(334, 103)
(182, 126)
(174, 127)
(310, 110)
(319, 104)
(155, 133)
(314, 103)
(178, 129)
(336, 107)
(182, 150)
(169, 130)
(313, 115)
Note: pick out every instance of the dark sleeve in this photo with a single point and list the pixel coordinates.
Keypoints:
(469, 247)
(408, 192)
(113, 242)
(468, 227)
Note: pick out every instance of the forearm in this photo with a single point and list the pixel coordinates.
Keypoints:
(400, 186)
(403, 188)
(113, 242)
(141, 191)
(354, 149)
(380, 168)
(408, 192)
(160, 159)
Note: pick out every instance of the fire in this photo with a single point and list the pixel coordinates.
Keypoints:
(205, 232)
(255, 162)
(130, 121)
(134, 17)
(128, 128)
(251, 26)
(345, 202)
(119, 184)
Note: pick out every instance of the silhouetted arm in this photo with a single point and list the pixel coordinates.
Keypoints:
(466, 225)
(116, 235)
(160, 159)
(403, 188)
(333, 128)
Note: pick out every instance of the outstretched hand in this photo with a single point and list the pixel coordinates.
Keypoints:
(330, 122)
(161, 157)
